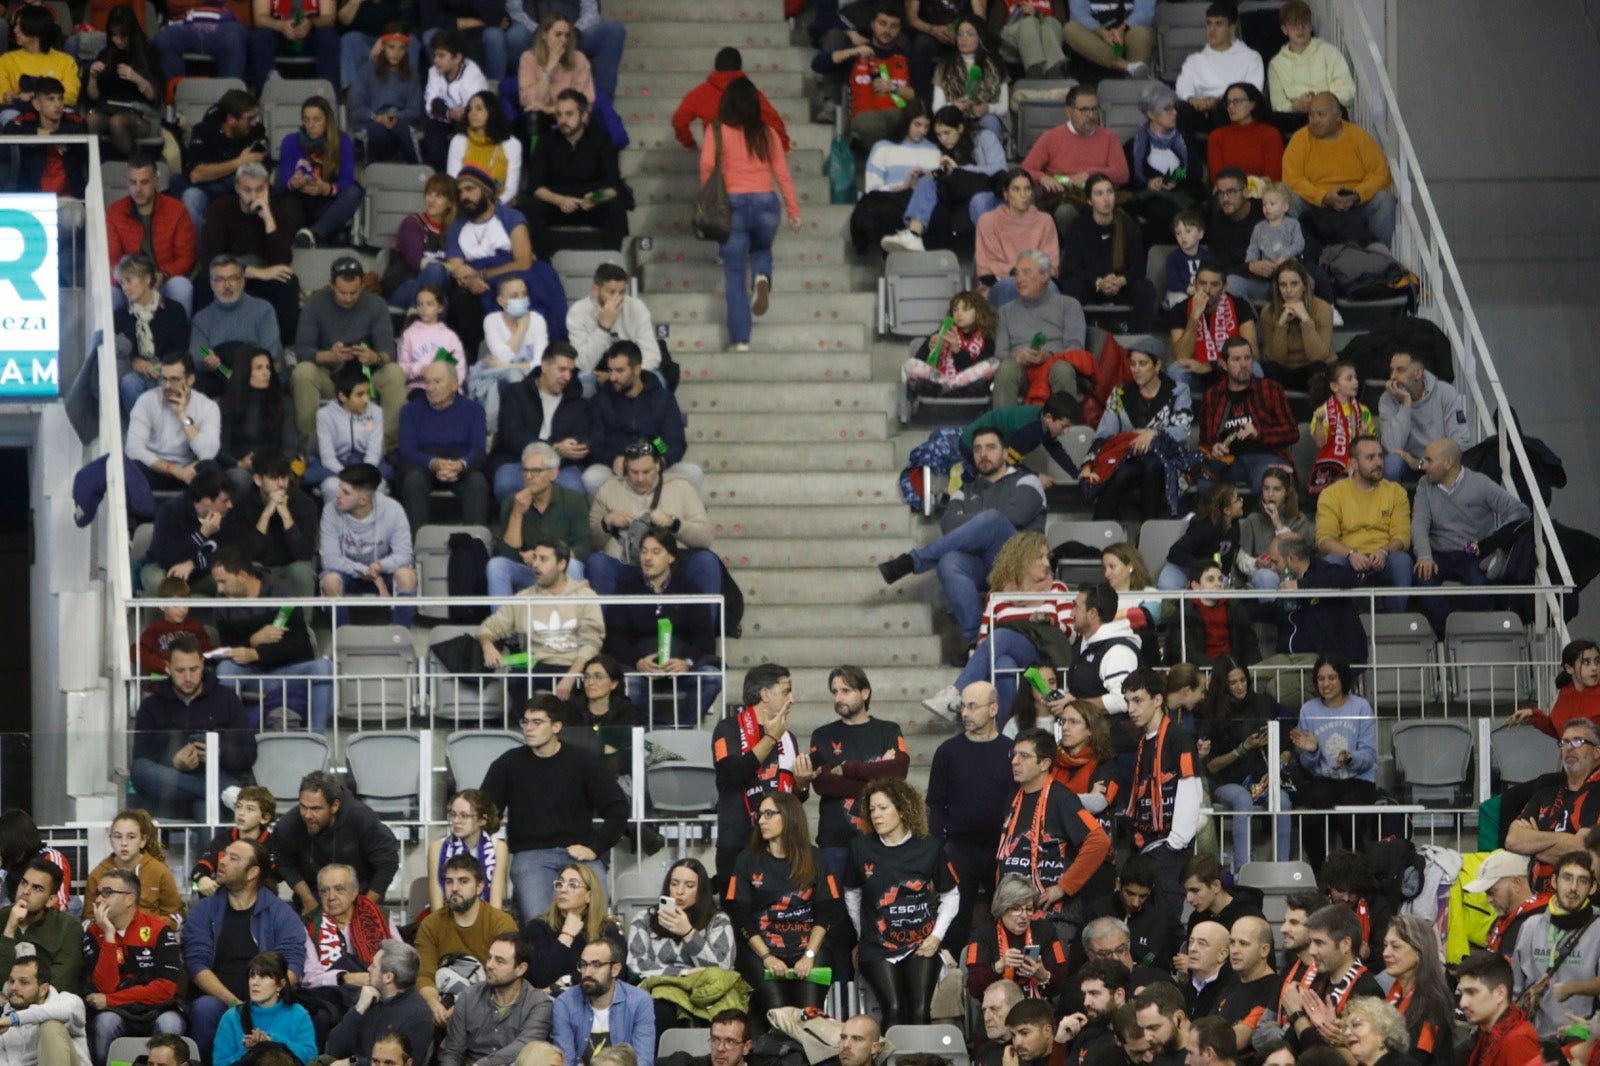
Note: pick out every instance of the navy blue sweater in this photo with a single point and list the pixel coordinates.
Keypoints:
(459, 431)
(616, 419)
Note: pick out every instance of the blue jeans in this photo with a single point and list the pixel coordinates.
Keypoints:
(385, 145)
(325, 216)
(964, 558)
(507, 577)
(602, 43)
(924, 198)
(205, 1014)
(1237, 798)
(755, 222)
(1397, 573)
(225, 44)
(701, 569)
(1245, 471)
(1013, 653)
(166, 787)
(983, 202)
(196, 198)
(689, 694)
(1396, 470)
(405, 294)
(1171, 577)
(354, 47)
(105, 1026)
(1458, 566)
(294, 696)
(318, 476)
(321, 44)
(533, 875)
(130, 387)
(508, 479)
(500, 47)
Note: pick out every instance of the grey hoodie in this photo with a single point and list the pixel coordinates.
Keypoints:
(1436, 415)
(350, 544)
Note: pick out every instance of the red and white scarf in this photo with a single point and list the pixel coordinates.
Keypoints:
(1214, 332)
(366, 931)
(777, 778)
(1333, 459)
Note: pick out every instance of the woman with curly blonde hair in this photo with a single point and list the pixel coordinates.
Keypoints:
(898, 862)
(1015, 633)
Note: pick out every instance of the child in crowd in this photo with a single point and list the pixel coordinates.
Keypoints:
(136, 846)
(452, 82)
(349, 430)
(253, 811)
(426, 337)
(1336, 424)
(385, 102)
(514, 340)
(1277, 237)
(1189, 230)
(963, 363)
(150, 655)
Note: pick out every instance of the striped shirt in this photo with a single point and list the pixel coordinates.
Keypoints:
(1002, 609)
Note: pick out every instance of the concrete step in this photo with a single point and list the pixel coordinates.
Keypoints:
(819, 280)
(827, 652)
(846, 489)
(858, 308)
(792, 250)
(761, 62)
(736, 523)
(744, 458)
(810, 553)
(786, 429)
(771, 339)
(892, 684)
(847, 589)
(701, 367)
(864, 396)
(741, 29)
(683, 188)
(761, 623)
(671, 85)
(660, 221)
(651, 127)
(676, 10)
(682, 161)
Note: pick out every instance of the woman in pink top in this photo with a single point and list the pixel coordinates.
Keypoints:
(552, 64)
(752, 158)
(1016, 226)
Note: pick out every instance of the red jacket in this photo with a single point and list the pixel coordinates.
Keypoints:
(143, 966)
(172, 234)
(702, 101)
(862, 74)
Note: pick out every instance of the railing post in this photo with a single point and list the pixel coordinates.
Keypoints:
(213, 777)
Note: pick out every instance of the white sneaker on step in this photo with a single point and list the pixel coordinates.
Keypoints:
(1137, 69)
(905, 241)
(946, 703)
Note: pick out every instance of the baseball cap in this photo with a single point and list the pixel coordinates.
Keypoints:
(1500, 863)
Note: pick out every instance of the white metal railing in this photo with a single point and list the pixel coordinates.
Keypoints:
(1420, 242)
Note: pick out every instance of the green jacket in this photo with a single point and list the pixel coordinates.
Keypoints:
(701, 994)
(567, 517)
(58, 935)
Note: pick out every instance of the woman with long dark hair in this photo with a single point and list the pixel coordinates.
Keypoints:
(1236, 717)
(1420, 991)
(754, 168)
(1086, 757)
(1213, 531)
(895, 165)
(256, 416)
(317, 175)
(20, 843)
(982, 97)
(125, 84)
(683, 933)
(1337, 745)
(901, 894)
(1277, 515)
(782, 901)
(1296, 330)
(1102, 256)
(488, 144)
(1577, 691)
(386, 101)
(601, 704)
(1146, 422)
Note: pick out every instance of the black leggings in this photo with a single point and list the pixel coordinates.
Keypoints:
(769, 995)
(904, 989)
(1139, 480)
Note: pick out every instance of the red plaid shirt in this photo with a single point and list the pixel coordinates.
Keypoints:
(1262, 401)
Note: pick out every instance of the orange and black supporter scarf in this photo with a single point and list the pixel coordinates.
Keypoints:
(1302, 973)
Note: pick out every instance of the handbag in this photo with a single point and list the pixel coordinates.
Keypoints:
(713, 217)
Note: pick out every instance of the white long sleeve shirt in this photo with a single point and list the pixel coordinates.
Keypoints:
(633, 324)
(19, 1045)
(1209, 72)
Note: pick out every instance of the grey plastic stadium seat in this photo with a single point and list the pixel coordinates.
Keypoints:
(1091, 534)
(1487, 657)
(282, 759)
(915, 290)
(1432, 759)
(376, 668)
(194, 96)
(1521, 753)
(385, 771)
(576, 270)
(432, 549)
(469, 752)
(1156, 538)
(1404, 671)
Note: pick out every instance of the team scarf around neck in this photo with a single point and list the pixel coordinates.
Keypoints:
(782, 776)
(1302, 973)
(1487, 1049)
(484, 853)
(1333, 458)
(366, 931)
(1498, 931)
(1035, 831)
(1212, 333)
(1152, 786)
(1002, 936)
(1339, 992)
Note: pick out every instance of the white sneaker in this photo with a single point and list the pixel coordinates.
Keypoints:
(1138, 69)
(946, 703)
(738, 347)
(230, 796)
(904, 241)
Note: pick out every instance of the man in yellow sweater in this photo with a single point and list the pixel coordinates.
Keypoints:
(1364, 522)
(1339, 177)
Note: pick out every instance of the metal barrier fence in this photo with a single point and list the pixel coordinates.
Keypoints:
(1421, 244)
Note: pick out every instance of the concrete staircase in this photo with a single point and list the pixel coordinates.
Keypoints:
(797, 437)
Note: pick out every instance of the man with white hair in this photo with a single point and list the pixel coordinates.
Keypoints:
(1455, 508)
(1032, 328)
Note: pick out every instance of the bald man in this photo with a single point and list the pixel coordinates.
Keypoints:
(969, 795)
(1339, 177)
(1455, 508)
(1208, 975)
(860, 1040)
(1254, 990)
